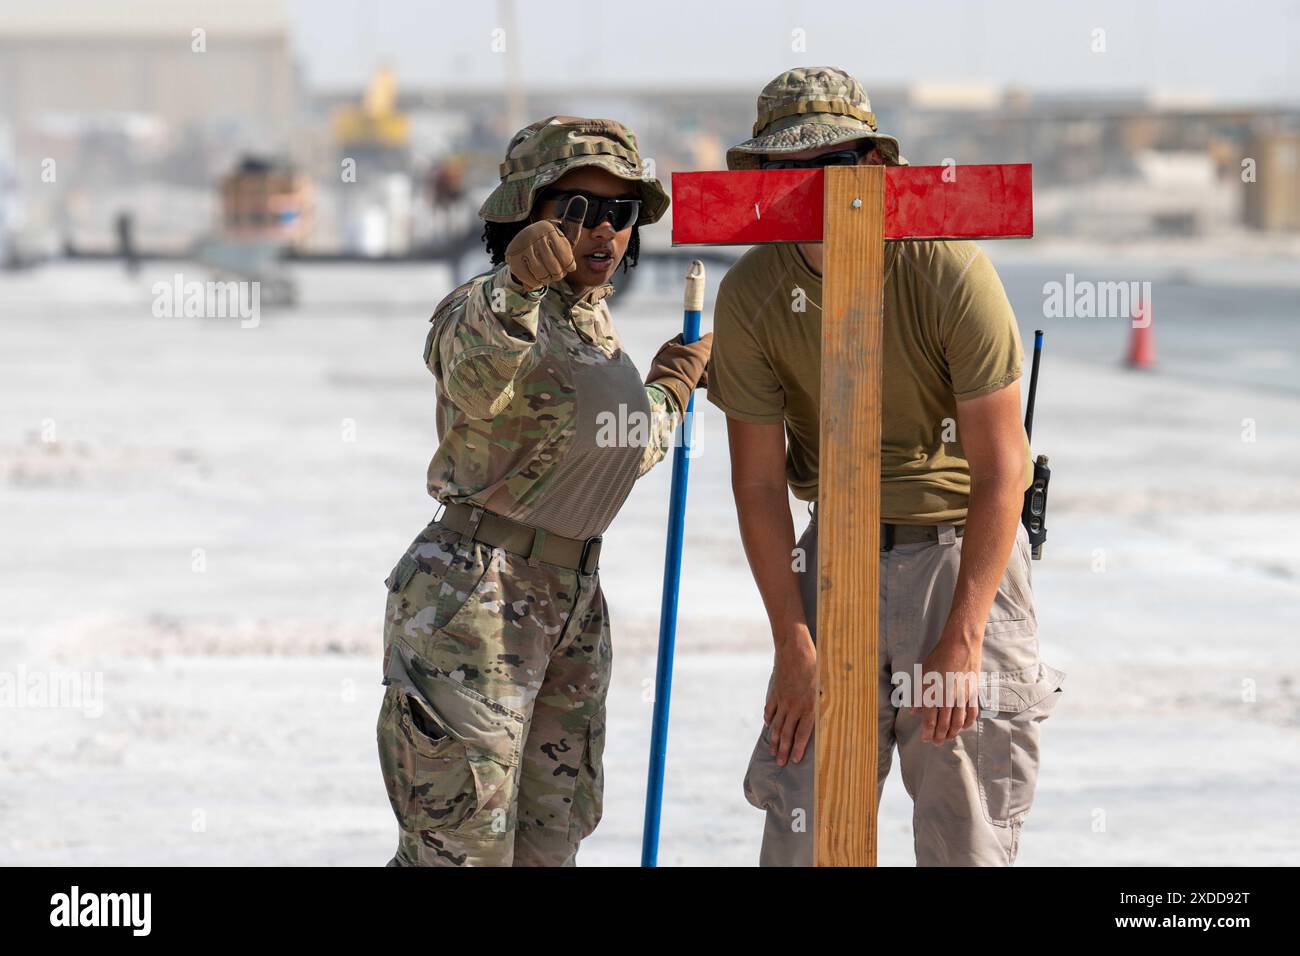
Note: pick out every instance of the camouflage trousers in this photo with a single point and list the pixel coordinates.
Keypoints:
(493, 720)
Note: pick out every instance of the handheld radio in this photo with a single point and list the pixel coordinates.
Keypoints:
(1034, 514)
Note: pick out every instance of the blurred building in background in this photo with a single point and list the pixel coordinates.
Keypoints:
(180, 63)
(1273, 200)
(139, 105)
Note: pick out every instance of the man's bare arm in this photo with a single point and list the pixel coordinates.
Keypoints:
(766, 528)
(767, 531)
(992, 438)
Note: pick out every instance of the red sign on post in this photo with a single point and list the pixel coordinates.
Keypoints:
(785, 205)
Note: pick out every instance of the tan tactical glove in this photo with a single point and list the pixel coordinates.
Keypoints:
(681, 368)
(542, 252)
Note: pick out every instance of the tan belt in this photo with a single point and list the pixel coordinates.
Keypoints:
(538, 546)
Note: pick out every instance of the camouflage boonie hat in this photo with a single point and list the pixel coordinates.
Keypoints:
(807, 108)
(540, 154)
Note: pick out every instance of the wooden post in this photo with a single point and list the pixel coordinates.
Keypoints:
(848, 517)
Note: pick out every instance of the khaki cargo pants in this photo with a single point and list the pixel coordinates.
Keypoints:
(493, 720)
(970, 795)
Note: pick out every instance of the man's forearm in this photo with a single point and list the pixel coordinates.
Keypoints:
(767, 531)
(992, 516)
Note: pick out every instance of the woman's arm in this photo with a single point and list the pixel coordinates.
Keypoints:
(484, 337)
(677, 371)
(664, 417)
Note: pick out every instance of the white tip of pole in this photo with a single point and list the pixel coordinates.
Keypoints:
(695, 286)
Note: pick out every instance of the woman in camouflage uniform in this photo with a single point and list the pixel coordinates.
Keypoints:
(496, 635)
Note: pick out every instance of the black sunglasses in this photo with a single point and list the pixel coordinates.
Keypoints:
(621, 213)
(843, 157)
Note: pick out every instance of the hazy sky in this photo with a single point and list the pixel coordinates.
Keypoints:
(1225, 51)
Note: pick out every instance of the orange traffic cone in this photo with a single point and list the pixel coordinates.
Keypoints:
(1142, 344)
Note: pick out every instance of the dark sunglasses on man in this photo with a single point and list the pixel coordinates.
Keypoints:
(843, 157)
(621, 213)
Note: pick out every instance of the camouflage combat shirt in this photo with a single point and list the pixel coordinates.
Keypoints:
(542, 417)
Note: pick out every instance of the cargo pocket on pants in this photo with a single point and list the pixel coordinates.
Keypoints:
(449, 757)
(425, 598)
(589, 788)
(1013, 604)
(1012, 705)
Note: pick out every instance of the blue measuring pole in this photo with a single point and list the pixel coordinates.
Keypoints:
(672, 580)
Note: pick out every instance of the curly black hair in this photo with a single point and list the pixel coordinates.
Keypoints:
(497, 235)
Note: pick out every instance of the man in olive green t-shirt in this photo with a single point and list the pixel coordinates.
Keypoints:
(956, 608)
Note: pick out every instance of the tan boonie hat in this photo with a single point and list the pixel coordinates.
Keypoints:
(540, 154)
(807, 108)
